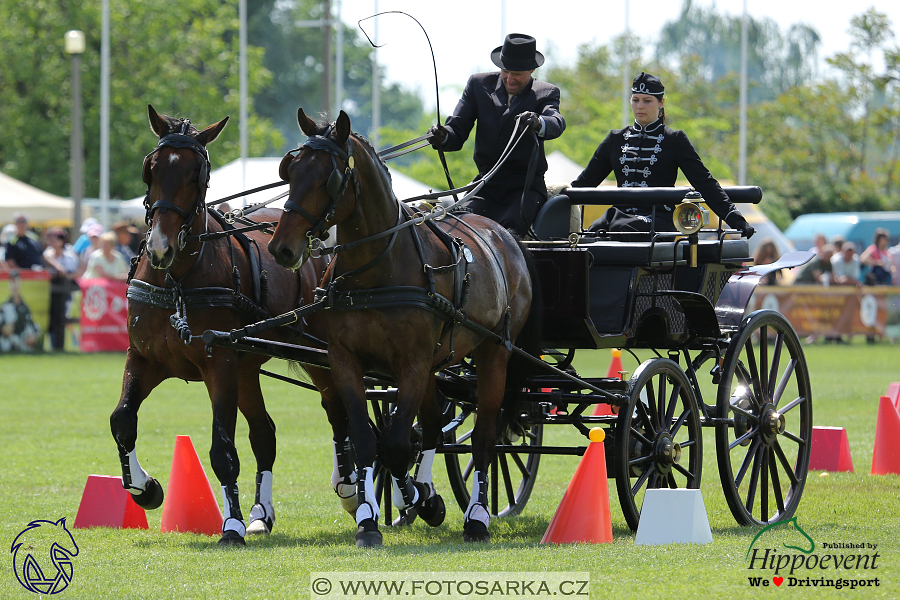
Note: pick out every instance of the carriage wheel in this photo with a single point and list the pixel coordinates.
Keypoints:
(511, 475)
(658, 441)
(765, 398)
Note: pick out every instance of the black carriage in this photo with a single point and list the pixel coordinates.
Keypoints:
(683, 298)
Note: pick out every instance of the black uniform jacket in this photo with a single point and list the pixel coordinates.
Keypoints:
(650, 157)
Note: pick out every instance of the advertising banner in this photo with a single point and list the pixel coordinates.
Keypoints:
(104, 316)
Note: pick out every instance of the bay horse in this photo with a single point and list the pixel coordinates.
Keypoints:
(222, 283)
(380, 316)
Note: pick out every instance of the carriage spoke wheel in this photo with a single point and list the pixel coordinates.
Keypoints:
(765, 412)
(511, 475)
(658, 441)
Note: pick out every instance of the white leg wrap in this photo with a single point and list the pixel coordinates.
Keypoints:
(139, 477)
(264, 506)
(368, 506)
(397, 495)
(477, 509)
(344, 485)
(231, 523)
(423, 470)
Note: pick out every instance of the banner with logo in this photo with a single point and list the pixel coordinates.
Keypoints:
(24, 310)
(834, 310)
(104, 315)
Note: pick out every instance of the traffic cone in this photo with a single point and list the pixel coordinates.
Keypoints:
(830, 450)
(583, 514)
(894, 393)
(886, 455)
(615, 367)
(190, 504)
(105, 503)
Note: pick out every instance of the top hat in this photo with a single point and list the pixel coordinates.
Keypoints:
(645, 83)
(518, 53)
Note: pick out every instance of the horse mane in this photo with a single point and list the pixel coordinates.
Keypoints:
(322, 127)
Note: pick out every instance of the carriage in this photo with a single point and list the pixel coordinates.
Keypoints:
(681, 297)
(678, 297)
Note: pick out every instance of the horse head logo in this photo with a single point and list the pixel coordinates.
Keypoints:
(42, 556)
(791, 532)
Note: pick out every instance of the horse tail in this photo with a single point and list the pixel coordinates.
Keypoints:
(529, 340)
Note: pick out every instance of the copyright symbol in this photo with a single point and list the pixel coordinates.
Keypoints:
(321, 586)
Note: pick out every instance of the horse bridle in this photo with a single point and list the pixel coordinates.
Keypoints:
(178, 140)
(337, 180)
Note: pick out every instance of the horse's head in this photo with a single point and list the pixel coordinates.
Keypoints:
(177, 175)
(323, 184)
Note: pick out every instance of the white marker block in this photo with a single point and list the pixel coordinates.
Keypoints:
(673, 517)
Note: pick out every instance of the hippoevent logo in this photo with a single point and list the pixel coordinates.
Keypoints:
(782, 554)
(42, 556)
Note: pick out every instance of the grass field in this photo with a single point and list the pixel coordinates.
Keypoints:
(55, 432)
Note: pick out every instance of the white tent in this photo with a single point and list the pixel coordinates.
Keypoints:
(230, 179)
(561, 168)
(40, 206)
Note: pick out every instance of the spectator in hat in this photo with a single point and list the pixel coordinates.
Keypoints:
(93, 234)
(23, 250)
(126, 238)
(647, 153)
(84, 240)
(500, 102)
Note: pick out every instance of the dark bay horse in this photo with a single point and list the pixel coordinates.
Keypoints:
(380, 318)
(221, 283)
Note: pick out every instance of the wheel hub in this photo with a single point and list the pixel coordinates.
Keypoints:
(667, 452)
(773, 423)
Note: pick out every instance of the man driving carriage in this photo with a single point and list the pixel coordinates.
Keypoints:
(498, 101)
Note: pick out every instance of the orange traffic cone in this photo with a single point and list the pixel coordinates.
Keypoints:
(886, 455)
(830, 450)
(190, 504)
(105, 503)
(614, 371)
(579, 518)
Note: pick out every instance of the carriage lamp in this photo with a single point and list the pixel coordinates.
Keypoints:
(689, 218)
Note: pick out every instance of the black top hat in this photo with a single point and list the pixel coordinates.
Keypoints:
(646, 83)
(518, 53)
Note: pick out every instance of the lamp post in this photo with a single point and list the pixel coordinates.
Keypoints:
(75, 48)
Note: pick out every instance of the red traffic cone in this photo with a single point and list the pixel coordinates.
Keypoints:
(886, 455)
(579, 518)
(190, 504)
(615, 371)
(105, 503)
(830, 450)
(894, 393)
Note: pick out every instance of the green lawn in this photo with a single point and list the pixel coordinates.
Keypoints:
(55, 432)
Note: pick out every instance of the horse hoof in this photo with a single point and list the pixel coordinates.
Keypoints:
(476, 531)
(433, 510)
(231, 538)
(150, 498)
(407, 517)
(367, 535)
(260, 527)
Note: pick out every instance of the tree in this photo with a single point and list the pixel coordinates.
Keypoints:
(181, 58)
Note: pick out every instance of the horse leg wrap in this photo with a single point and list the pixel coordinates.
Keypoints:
(234, 520)
(424, 465)
(406, 493)
(368, 502)
(477, 517)
(134, 478)
(343, 477)
(262, 514)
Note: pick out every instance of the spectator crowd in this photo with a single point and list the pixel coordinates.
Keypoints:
(96, 253)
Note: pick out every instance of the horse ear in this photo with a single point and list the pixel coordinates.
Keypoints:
(307, 125)
(158, 124)
(212, 132)
(342, 128)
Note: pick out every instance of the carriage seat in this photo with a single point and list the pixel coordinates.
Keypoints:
(554, 220)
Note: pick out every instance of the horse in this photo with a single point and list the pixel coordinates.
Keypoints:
(227, 282)
(405, 302)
